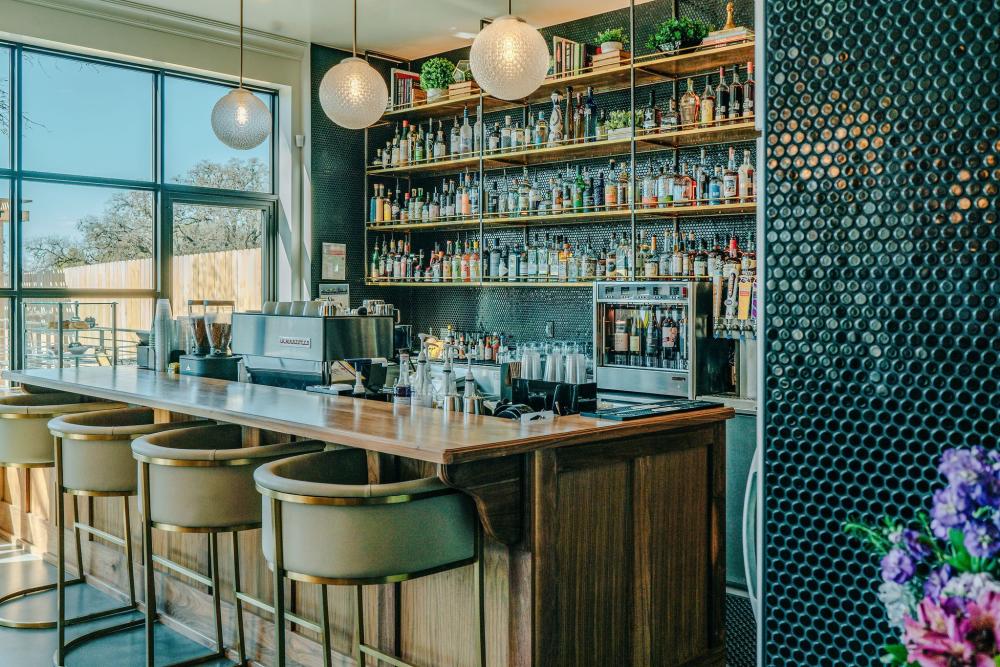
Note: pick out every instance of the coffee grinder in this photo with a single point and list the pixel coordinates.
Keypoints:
(209, 330)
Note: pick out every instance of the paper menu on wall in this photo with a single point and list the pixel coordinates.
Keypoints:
(334, 261)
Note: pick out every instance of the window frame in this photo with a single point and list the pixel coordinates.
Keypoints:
(164, 193)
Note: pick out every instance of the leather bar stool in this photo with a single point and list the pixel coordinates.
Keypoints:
(25, 442)
(200, 480)
(325, 524)
(93, 458)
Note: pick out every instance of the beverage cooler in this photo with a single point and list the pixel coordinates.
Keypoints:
(657, 338)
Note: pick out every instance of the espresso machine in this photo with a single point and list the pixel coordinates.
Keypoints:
(299, 344)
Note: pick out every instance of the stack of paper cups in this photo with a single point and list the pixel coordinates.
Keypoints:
(163, 330)
(531, 365)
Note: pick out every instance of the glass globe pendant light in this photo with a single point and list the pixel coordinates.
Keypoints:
(240, 119)
(352, 93)
(509, 59)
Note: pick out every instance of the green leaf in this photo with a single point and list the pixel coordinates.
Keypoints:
(996, 661)
(896, 653)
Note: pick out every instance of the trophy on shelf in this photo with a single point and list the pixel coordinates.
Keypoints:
(729, 33)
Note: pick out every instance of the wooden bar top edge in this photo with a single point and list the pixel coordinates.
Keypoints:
(424, 434)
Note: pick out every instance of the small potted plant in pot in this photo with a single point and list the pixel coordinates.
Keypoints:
(682, 33)
(620, 124)
(435, 76)
(611, 40)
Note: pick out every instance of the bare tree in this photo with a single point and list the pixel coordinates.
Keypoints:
(124, 230)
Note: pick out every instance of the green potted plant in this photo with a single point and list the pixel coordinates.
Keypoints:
(682, 33)
(435, 76)
(620, 124)
(612, 39)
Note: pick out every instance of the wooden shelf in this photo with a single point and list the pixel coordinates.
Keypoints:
(648, 69)
(572, 218)
(476, 283)
(647, 142)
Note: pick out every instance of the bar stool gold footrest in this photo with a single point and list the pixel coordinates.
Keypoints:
(31, 625)
(384, 657)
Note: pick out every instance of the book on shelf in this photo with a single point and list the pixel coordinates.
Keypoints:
(405, 87)
(569, 57)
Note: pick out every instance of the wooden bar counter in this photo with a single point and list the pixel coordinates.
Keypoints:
(605, 539)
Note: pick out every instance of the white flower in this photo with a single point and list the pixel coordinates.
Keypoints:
(970, 586)
(899, 602)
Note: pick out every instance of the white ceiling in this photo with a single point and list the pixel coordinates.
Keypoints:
(407, 28)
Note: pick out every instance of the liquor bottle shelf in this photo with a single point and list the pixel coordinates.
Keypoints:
(520, 282)
(648, 69)
(689, 136)
(574, 218)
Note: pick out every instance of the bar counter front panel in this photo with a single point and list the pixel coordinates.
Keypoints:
(605, 540)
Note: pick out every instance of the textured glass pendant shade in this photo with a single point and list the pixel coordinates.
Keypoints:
(353, 94)
(509, 58)
(241, 120)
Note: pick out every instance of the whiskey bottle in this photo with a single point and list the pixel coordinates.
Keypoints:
(670, 120)
(730, 179)
(538, 135)
(505, 134)
(748, 91)
(735, 96)
(610, 188)
(664, 188)
(455, 146)
(555, 122)
(745, 174)
(707, 109)
(689, 105)
(715, 188)
(493, 141)
(721, 98)
(578, 124)
(650, 115)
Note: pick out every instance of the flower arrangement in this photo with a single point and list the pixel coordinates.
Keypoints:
(612, 36)
(681, 33)
(939, 575)
(437, 73)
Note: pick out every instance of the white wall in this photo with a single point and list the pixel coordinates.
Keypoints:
(126, 31)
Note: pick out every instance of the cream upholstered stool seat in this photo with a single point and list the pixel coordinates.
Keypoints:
(200, 480)
(324, 523)
(93, 457)
(25, 442)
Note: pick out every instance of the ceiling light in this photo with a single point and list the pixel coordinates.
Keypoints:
(240, 119)
(509, 58)
(353, 94)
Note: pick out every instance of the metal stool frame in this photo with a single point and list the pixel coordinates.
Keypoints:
(212, 580)
(359, 648)
(81, 577)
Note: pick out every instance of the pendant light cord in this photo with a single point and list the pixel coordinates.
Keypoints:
(509, 10)
(354, 42)
(241, 43)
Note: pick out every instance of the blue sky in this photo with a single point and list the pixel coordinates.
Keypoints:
(95, 120)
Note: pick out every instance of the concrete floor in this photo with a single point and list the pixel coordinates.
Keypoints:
(35, 648)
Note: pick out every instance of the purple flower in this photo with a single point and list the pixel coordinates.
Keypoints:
(963, 466)
(981, 539)
(914, 543)
(936, 582)
(948, 511)
(898, 567)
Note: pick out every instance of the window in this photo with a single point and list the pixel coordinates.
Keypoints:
(218, 254)
(86, 237)
(90, 224)
(194, 155)
(6, 211)
(5, 108)
(85, 118)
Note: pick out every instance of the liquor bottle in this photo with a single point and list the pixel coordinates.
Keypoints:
(635, 341)
(568, 135)
(664, 188)
(542, 258)
(440, 147)
(538, 136)
(477, 130)
(689, 105)
(465, 134)
(715, 188)
(683, 187)
(418, 145)
(664, 259)
(578, 192)
(374, 271)
(456, 263)
(429, 141)
(578, 124)
(493, 140)
(745, 174)
(647, 191)
(650, 259)
(652, 358)
(748, 91)
(590, 116)
(721, 98)
(670, 119)
(492, 200)
(505, 134)
(624, 196)
(601, 126)
(373, 205)
(517, 141)
(621, 342)
(668, 353)
(599, 191)
(735, 96)
(701, 261)
(404, 144)
(455, 144)
(650, 115)
(475, 267)
(702, 177)
(532, 258)
(730, 179)
(610, 188)
(555, 122)
(707, 109)
(611, 257)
